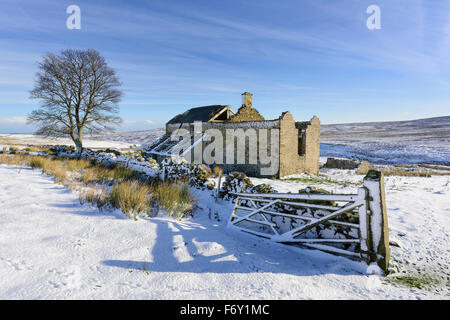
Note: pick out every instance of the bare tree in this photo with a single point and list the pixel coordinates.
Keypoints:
(78, 93)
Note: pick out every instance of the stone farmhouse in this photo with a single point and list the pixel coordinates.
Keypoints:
(292, 147)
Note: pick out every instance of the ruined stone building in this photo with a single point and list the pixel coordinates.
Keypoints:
(282, 147)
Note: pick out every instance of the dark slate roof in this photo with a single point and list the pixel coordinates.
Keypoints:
(203, 114)
(302, 124)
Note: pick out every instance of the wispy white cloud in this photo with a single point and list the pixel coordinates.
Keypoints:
(13, 120)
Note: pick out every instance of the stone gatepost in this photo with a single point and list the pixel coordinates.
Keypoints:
(377, 220)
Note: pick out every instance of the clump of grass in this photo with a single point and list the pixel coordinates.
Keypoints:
(37, 162)
(60, 175)
(89, 175)
(364, 167)
(216, 171)
(32, 149)
(175, 198)
(13, 150)
(50, 166)
(97, 196)
(132, 197)
(76, 165)
(99, 173)
(73, 186)
(11, 160)
(121, 173)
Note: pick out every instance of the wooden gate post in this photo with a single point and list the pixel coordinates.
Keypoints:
(218, 185)
(162, 176)
(366, 250)
(378, 231)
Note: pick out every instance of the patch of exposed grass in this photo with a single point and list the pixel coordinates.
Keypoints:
(101, 173)
(121, 173)
(95, 195)
(217, 171)
(89, 175)
(60, 175)
(13, 150)
(11, 160)
(37, 162)
(76, 165)
(419, 282)
(32, 149)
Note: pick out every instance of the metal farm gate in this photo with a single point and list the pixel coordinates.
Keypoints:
(354, 225)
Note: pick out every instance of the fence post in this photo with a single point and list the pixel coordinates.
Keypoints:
(218, 185)
(377, 231)
(364, 225)
(162, 177)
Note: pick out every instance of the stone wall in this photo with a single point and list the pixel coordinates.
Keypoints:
(290, 160)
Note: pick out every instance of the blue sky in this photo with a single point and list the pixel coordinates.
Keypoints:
(310, 57)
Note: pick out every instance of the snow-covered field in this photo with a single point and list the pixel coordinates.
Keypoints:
(31, 139)
(400, 142)
(145, 137)
(52, 247)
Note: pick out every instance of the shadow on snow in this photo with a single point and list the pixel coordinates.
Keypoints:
(239, 253)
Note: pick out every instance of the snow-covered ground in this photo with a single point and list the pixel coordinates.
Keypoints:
(31, 139)
(145, 137)
(52, 247)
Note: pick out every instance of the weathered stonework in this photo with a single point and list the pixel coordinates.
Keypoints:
(246, 113)
(299, 148)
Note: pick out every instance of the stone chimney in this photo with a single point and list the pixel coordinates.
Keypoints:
(246, 112)
(247, 99)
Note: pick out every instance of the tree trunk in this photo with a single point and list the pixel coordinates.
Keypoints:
(79, 146)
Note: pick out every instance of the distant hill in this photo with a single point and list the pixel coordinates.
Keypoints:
(430, 131)
(427, 131)
(133, 137)
(401, 142)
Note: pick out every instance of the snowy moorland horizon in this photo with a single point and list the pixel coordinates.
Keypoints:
(396, 142)
(403, 142)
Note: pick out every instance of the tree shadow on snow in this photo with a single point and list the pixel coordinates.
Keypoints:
(206, 249)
